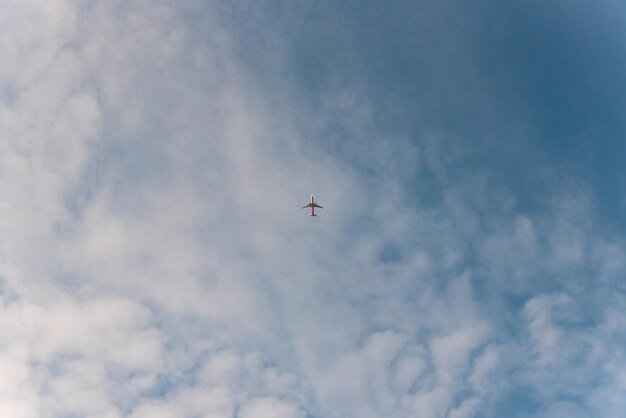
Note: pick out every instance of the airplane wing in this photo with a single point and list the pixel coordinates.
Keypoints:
(315, 205)
(307, 206)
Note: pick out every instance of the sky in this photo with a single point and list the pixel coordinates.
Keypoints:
(469, 261)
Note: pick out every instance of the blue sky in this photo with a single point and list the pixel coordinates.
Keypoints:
(468, 261)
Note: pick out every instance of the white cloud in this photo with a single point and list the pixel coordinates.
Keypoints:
(154, 261)
(270, 408)
(205, 402)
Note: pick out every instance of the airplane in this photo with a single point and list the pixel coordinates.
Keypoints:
(312, 205)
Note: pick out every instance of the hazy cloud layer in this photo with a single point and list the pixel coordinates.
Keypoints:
(155, 262)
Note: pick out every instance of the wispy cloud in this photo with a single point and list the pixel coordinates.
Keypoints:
(155, 263)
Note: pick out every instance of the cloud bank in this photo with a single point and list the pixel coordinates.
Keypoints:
(154, 261)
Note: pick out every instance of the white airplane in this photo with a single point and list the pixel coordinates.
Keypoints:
(312, 205)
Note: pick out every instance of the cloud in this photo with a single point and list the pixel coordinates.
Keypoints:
(68, 356)
(268, 408)
(155, 263)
